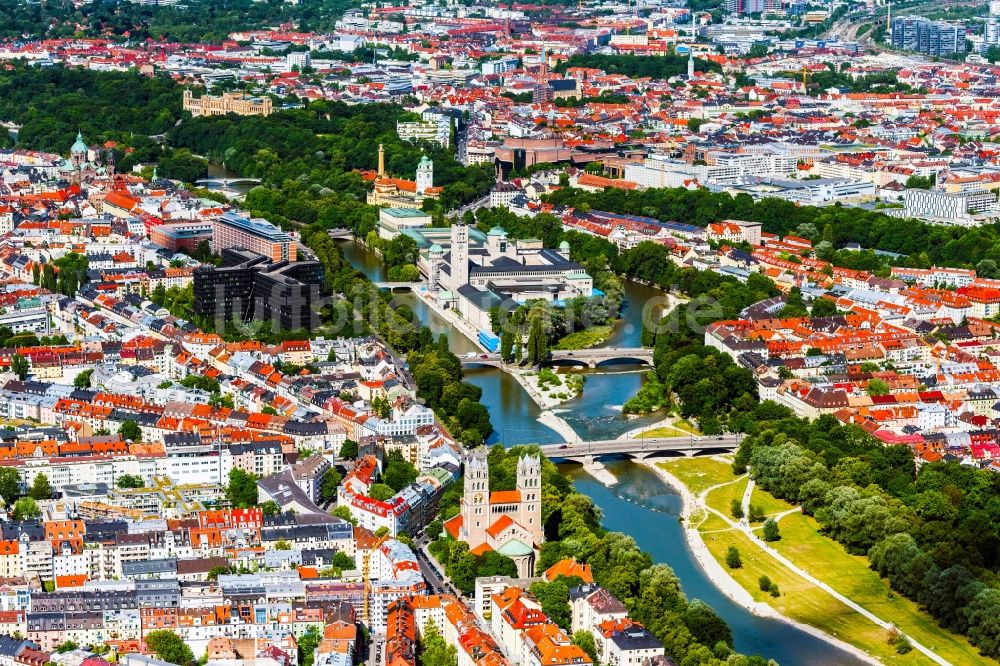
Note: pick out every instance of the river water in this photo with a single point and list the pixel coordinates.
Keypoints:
(641, 504)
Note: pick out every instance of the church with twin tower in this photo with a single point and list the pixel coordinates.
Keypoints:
(507, 521)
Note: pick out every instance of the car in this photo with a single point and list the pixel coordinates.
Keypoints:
(720, 437)
(484, 356)
(564, 446)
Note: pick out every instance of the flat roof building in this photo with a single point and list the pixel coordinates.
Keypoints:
(232, 230)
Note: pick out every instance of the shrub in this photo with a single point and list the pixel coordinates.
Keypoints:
(736, 508)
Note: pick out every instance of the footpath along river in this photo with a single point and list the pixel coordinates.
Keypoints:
(641, 504)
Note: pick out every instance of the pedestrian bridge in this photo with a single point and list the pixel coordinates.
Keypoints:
(639, 448)
(585, 358)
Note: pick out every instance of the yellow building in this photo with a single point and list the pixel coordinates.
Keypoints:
(230, 102)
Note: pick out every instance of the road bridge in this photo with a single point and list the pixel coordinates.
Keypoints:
(639, 448)
(226, 182)
(395, 286)
(585, 358)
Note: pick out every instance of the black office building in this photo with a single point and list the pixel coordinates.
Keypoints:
(248, 287)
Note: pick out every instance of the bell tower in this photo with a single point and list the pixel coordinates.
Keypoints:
(529, 485)
(476, 498)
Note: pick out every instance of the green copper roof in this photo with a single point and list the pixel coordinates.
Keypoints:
(515, 548)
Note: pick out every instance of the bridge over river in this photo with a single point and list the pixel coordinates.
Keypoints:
(226, 182)
(591, 358)
(638, 448)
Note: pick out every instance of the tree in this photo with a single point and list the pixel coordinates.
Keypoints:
(764, 583)
(242, 489)
(216, 571)
(26, 508)
(381, 492)
(876, 387)
(554, 599)
(82, 380)
(823, 307)
(705, 624)
(40, 489)
(130, 481)
(329, 484)
(398, 472)
(308, 644)
(537, 346)
(344, 513)
(770, 531)
(130, 431)
(506, 345)
(736, 508)
(270, 508)
(755, 514)
(281, 544)
(585, 641)
(19, 366)
(349, 449)
(733, 559)
(10, 484)
(434, 651)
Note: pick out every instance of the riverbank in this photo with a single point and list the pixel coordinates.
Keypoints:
(551, 420)
(726, 583)
(463, 327)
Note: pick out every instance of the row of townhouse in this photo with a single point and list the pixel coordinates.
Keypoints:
(408, 511)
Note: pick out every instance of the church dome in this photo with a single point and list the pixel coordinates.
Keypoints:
(79, 146)
(564, 245)
(436, 249)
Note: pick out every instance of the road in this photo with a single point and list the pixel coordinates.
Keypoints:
(475, 205)
(376, 649)
(437, 583)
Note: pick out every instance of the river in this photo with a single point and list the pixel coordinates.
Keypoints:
(641, 504)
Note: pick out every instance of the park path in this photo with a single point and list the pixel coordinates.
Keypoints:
(744, 526)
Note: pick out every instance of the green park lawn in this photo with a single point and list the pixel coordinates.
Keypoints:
(677, 428)
(804, 602)
(820, 556)
(699, 473)
(770, 504)
(721, 498)
(802, 543)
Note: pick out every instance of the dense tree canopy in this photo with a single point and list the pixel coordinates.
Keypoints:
(656, 67)
(192, 21)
